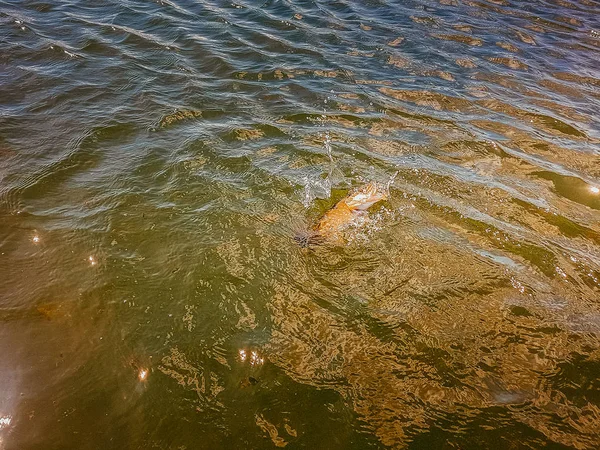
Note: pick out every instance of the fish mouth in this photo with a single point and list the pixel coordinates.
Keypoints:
(366, 197)
(370, 202)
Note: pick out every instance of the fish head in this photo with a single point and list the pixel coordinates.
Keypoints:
(366, 196)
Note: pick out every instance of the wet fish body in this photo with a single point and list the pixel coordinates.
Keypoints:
(346, 210)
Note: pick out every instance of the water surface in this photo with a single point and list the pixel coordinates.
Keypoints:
(157, 160)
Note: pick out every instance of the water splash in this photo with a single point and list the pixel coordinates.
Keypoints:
(320, 188)
(390, 182)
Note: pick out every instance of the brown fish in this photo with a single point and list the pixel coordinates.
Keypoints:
(343, 213)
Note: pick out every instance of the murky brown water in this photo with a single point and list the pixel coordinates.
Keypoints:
(157, 161)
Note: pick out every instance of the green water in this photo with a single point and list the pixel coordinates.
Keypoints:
(158, 160)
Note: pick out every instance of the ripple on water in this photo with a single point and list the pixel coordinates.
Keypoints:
(158, 159)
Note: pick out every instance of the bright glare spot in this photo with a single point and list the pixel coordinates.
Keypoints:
(518, 285)
(255, 359)
(92, 260)
(143, 375)
(36, 239)
(5, 421)
(595, 190)
(561, 272)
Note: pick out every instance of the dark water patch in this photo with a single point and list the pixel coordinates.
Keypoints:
(568, 227)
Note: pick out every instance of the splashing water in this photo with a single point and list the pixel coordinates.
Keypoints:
(320, 188)
(390, 182)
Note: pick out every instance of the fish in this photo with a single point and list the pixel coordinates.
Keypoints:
(345, 211)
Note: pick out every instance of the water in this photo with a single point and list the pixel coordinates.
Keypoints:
(158, 158)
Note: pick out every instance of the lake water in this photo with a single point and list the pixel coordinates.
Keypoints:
(158, 159)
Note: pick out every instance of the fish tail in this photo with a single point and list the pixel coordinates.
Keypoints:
(306, 238)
